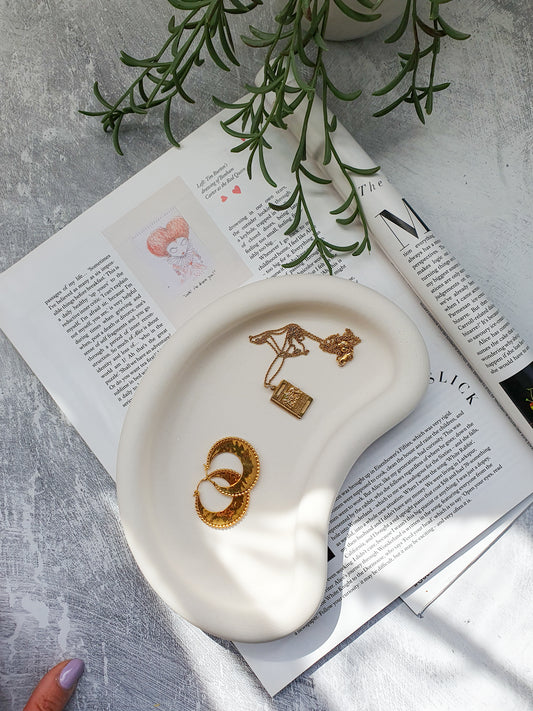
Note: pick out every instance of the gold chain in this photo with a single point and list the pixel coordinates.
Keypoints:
(293, 346)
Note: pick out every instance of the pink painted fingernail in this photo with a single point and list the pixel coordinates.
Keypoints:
(71, 673)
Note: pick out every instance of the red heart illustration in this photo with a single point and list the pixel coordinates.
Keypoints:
(236, 190)
(223, 198)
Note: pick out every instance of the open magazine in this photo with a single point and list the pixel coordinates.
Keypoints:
(90, 308)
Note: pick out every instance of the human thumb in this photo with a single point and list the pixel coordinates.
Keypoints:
(56, 687)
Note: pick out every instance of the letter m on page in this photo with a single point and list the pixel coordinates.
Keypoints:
(405, 227)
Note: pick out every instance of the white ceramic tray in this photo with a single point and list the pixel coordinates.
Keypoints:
(264, 577)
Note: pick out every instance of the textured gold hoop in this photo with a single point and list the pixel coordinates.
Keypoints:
(244, 451)
(232, 513)
(239, 484)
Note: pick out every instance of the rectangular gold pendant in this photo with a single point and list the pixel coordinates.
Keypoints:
(291, 399)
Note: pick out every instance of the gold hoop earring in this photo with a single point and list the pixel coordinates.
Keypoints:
(244, 451)
(239, 484)
(232, 513)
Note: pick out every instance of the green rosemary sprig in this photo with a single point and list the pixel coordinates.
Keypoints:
(162, 80)
(294, 75)
(409, 73)
(293, 50)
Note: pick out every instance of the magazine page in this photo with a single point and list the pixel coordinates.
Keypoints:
(90, 308)
(496, 352)
(422, 594)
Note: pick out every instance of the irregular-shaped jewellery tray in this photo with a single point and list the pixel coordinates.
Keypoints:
(265, 576)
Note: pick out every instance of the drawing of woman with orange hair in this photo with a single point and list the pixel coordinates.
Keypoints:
(172, 242)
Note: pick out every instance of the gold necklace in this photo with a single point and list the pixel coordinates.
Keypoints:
(285, 394)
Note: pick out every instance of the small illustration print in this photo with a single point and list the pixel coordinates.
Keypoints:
(236, 190)
(173, 243)
(170, 253)
(172, 247)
